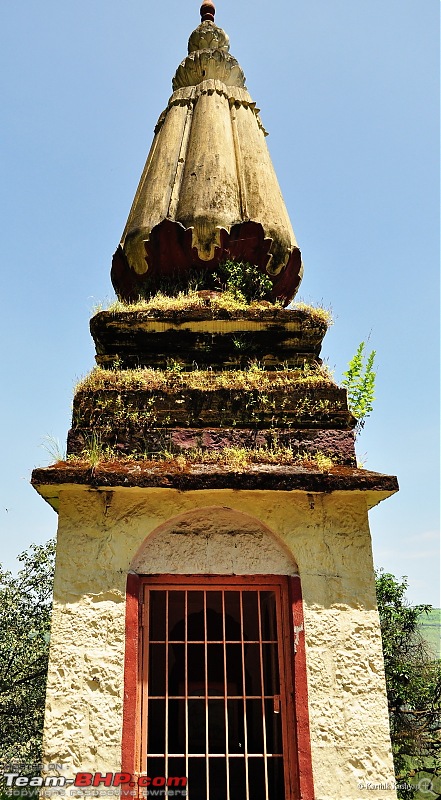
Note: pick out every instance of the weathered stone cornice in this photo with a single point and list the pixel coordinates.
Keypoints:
(216, 339)
(50, 481)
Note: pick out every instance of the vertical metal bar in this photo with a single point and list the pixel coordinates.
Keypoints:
(207, 771)
(281, 602)
(224, 637)
(262, 688)
(186, 679)
(244, 702)
(166, 679)
(145, 651)
(277, 659)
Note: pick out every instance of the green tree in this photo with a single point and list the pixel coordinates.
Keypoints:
(25, 614)
(413, 682)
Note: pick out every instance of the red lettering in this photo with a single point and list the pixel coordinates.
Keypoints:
(121, 777)
(83, 779)
(177, 782)
(144, 781)
(158, 781)
(105, 779)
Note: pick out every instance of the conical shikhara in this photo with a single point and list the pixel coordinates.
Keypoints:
(214, 607)
(208, 191)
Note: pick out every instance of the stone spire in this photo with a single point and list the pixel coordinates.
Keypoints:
(208, 191)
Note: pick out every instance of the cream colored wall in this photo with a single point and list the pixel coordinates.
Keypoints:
(100, 538)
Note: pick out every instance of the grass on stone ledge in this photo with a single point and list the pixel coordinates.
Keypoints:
(232, 458)
(174, 377)
(226, 301)
(317, 313)
(222, 301)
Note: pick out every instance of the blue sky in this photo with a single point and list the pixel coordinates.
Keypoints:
(349, 94)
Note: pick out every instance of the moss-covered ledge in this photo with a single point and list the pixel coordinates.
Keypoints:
(49, 481)
(206, 304)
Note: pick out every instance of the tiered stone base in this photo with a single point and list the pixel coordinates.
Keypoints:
(208, 337)
(209, 379)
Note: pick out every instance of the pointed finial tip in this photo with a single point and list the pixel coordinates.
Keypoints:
(207, 11)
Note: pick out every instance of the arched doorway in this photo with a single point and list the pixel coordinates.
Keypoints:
(215, 674)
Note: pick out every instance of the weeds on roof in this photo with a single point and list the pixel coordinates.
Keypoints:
(187, 301)
(255, 377)
(229, 301)
(317, 313)
(236, 459)
(52, 446)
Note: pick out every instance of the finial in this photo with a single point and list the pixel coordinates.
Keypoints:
(207, 11)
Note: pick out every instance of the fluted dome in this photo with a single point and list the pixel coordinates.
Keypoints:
(208, 190)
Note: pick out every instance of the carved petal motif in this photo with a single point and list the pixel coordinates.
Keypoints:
(170, 254)
(205, 64)
(208, 36)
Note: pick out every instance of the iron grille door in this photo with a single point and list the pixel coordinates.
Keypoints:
(216, 688)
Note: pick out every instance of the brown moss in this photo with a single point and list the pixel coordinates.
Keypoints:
(205, 476)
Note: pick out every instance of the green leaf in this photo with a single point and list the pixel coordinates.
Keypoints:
(359, 380)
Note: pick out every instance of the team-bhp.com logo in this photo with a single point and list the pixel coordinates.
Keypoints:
(123, 782)
(83, 779)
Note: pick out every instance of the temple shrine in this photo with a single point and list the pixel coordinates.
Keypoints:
(215, 630)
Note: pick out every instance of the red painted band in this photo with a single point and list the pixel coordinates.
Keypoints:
(300, 681)
(130, 727)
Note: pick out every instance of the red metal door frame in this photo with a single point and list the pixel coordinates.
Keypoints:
(297, 749)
